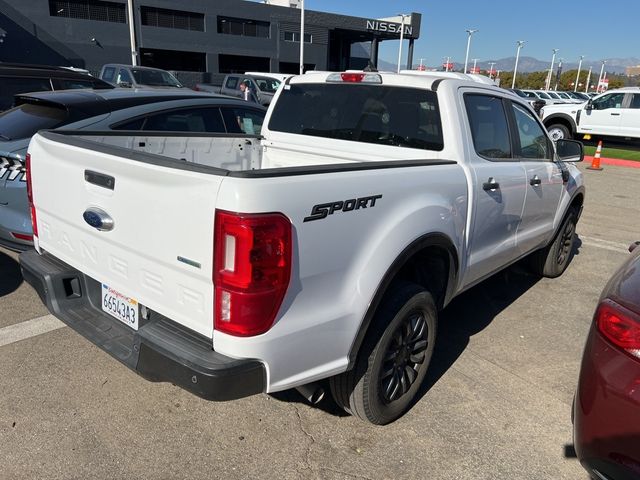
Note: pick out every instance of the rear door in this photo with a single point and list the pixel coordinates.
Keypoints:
(630, 118)
(544, 183)
(160, 249)
(498, 186)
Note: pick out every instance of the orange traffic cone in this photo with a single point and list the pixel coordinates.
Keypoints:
(595, 163)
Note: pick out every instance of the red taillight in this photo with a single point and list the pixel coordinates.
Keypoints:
(22, 236)
(620, 326)
(32, 208)
(251, 271)
(352, 77)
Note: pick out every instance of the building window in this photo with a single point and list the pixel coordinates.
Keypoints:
(88, 10)
(295, 37)
(160, 17)
(244, 27)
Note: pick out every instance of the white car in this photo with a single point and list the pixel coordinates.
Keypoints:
(615, 113)
(325, 248)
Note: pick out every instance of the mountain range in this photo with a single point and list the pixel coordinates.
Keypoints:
(530, 64)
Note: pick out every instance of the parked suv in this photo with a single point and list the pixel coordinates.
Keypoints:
(136, 77)
(615, 113)
(18, 78)
(117, 109)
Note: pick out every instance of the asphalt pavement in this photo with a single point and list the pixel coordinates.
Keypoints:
(496, 403)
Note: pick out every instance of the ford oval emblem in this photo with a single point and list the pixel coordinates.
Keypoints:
(98, 219)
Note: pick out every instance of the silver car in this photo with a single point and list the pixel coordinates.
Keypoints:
(117, 109)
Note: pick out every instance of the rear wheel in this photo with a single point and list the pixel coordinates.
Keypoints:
(553, 260)
(559, 132)
(394, 357)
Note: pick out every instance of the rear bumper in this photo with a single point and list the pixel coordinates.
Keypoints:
(160, 350)
(15, 245)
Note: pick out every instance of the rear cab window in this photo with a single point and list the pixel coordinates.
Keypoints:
(232, 82)
(25, 120)
(377, 114)
(108, 73)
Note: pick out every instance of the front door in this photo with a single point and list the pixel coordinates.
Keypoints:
(604, 117)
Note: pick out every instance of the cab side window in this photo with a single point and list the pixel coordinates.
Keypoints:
(611, 100)
(243, 120)
(489, 127)
(534, 144)
(635, 101)
(232, 82)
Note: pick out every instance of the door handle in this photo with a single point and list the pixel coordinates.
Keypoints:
(535, 181)
(490, 185)
(615, 114)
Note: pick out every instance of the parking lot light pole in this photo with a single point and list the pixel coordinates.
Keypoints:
(553, 60)
(491, 64)
(470, 32)
(301, 37)
(600, 77)
(575, 88)
(519, 45)
(586, 88)
(475, 62)
(402, 15)
(132, 34)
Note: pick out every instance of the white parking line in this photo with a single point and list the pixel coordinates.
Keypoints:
(605, 244)
(28, 329)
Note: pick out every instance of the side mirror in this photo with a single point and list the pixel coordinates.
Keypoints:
(570, 150)
(124, 84)
(589, 105)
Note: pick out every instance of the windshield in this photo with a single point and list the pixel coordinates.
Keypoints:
(397, 116)
(25, 120)
(543, 95)
(563, 95)
(553, 95)
(267, 85)
(156, 78)
(520, 93)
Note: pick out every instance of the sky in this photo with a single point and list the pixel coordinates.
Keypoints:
(576, 28)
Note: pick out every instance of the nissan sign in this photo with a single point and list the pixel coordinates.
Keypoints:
(378, 26)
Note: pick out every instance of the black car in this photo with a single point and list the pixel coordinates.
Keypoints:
(18, 78)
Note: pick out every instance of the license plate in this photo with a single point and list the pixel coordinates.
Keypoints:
(120, 306)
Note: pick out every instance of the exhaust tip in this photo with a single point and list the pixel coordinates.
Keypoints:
(312, 392)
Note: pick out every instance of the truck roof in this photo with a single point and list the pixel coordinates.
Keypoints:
(406, 78)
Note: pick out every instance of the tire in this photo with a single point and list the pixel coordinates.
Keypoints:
(553, 260)
(557, 131)
(394, 357)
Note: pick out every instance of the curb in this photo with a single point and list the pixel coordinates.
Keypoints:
(615, 162)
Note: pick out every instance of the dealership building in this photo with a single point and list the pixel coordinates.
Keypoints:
(219, 36)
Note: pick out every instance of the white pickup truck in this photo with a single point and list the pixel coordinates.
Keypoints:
(324, 249)
(614, 114)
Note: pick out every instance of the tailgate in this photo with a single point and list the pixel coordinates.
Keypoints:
(160, 249)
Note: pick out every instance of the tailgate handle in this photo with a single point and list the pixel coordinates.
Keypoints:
(100, 179)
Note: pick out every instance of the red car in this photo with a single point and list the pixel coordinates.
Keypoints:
(607, 404)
